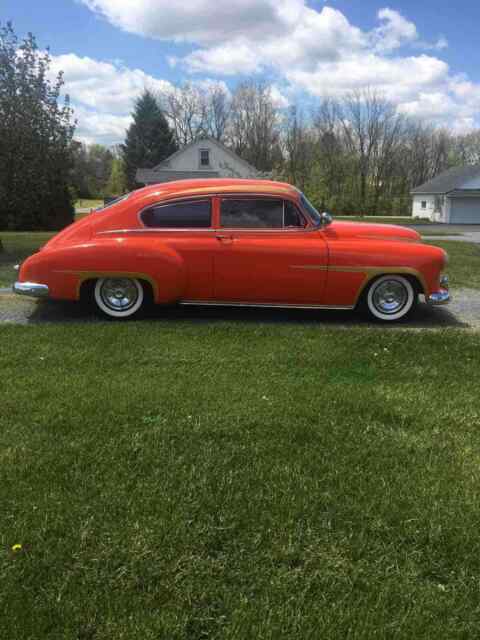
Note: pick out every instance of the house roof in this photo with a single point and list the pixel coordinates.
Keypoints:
(218, 144)
(449, 180)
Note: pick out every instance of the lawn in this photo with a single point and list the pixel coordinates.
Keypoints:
(464, 262)
(88, 204)
(16, 247)
(238, 480)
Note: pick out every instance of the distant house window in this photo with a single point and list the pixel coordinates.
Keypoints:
(424, 204)
(204, 157)
(438, 204)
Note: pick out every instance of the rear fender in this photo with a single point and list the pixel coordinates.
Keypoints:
(69, 267)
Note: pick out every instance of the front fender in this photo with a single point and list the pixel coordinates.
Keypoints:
(353, 264)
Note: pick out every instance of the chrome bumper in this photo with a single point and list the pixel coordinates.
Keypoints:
(31, 289)
(439, 297)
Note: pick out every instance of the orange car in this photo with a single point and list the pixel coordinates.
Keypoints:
(233, 242)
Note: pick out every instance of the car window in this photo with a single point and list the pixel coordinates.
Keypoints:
(259, 213)
(313, 213)
(192, 214)
(293, 217)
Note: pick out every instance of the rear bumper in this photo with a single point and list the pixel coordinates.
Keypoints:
(32, 289)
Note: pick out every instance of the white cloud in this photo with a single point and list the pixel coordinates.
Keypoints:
(200, 21)
(104, 86)
(315, 50)
(103, 95)
(394, 30)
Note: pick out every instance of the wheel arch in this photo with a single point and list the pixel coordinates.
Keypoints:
(412, 275)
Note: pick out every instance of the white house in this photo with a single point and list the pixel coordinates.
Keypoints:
(205, 158)
(452, 197)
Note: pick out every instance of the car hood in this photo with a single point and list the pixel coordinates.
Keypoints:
(368, 231)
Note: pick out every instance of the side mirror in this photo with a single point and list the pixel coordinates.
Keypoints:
(325, 219)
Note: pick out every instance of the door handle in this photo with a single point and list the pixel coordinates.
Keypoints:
(224, 239)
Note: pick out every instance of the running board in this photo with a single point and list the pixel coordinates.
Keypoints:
(263, 305)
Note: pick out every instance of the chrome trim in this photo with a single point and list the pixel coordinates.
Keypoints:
(207, 230)
(32, 289)
(158, 230)
(272, 305)
(439, 297)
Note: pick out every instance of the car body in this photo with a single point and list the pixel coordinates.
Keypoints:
(233, 242)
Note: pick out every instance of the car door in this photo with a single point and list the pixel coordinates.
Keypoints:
(185, 226)
(267, 253)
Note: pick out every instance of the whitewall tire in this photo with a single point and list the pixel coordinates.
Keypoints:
(119, 297)
(390, 298)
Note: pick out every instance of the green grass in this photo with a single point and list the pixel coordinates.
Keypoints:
(464, 263)
(17, 247)
(236, 480)
(88, 204)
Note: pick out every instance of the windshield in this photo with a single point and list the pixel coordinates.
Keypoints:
(312, 212)
(110, 204)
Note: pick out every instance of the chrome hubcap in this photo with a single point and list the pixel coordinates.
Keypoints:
(119, 294)
(390, 297)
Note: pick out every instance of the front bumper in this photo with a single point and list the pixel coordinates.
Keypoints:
(439, 297)
(32, 289)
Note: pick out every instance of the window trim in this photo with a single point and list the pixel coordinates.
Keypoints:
(175, 201)
(282, 229)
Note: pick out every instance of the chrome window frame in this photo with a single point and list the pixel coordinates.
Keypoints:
(281, 229)
(175, 202)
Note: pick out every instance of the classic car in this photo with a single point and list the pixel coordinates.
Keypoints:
(233, 242)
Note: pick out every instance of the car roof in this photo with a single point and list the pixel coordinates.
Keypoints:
(216, 185)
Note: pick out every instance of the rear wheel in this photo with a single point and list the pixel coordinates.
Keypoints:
(390, 298)
(119, 298)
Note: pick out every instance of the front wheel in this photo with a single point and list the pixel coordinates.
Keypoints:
(119, 298)
(390, 298)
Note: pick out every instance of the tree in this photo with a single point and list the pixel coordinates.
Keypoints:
(254, 131)
(35, 138)
(149, 138)
(117, 182)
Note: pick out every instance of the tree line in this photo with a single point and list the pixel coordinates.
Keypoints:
(352, 155)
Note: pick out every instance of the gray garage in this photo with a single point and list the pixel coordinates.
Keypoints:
(464, 210)
(452, 197)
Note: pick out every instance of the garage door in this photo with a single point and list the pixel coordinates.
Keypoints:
(465, 210)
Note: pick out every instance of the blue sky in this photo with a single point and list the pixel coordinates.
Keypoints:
(421, 55)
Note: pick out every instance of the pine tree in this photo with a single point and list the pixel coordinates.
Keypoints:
(149, 138)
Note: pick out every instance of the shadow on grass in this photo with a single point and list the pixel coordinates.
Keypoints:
(424, 317)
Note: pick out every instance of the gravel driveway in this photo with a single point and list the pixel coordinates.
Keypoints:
(463, 312)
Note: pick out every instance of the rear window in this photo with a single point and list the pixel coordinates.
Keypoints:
(193, 214)
(112, 203)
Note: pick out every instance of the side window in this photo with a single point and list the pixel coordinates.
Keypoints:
(293, 217)
(193, 214)
(252, 213)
